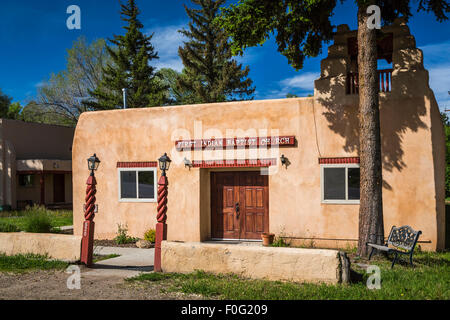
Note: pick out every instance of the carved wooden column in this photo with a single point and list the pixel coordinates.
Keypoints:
(161, 227)
(87, 244)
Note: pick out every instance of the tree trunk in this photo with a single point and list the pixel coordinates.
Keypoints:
(371, 205)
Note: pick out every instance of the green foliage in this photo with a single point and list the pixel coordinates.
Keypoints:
(301, 27)
(28, 262)
(174, 95)
(21, 219)
(130, 68)
(122, 235)
(428, 280)
(37, 220)
(210, 74)
(14, 111)
(150, 235)
(5, 101)
(280, 242)
(60, 99)
(9, 110)
(6, 226)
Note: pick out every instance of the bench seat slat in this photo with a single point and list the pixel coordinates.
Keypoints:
(378, 247)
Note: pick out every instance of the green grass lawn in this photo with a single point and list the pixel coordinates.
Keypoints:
(57, 218)
(430, 279)
(29, 262)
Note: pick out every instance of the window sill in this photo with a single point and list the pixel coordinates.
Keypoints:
(351, 202)
(137, 201)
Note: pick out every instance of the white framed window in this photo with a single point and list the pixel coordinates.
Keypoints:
(340, 183)
(137, 184)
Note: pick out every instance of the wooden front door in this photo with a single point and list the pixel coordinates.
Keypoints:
(59, 189)
(239, 205)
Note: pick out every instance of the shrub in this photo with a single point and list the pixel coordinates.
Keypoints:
(37, 220)
(122, 236)
(8, 227)
(280, 242)
(150, 235)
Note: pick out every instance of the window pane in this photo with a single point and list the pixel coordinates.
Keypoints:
(334, 183)
(146, 185)
(26, 180)
(128, 185)
(353, 183)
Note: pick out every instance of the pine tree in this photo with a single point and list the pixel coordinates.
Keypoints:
(129, 69)
(210, 73)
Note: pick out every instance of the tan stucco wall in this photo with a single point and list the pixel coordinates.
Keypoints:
(295, 207)
(256, 262)
(325, 125)
(57, 246)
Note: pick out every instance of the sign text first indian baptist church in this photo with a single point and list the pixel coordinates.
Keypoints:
(230, 143)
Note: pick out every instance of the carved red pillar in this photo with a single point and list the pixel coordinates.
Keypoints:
(161, 227)
(87, 244)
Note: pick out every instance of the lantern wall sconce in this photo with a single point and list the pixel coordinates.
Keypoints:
(93, 163)
(284, 161)
(164, 163)
(188, 163)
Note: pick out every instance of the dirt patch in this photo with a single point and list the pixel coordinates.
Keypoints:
(112, 243)
(51, 285)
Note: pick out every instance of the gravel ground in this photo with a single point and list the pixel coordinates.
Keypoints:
(51, 285)
(112, 243)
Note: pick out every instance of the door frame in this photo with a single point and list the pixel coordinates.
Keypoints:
(211, 194)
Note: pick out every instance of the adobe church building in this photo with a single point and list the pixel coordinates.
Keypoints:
(287, 166)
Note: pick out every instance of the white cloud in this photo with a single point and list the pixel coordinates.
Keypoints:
(300, 85)
(166, 41)
(304, 81)
(437, 63)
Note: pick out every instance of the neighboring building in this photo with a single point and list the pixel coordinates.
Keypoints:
(311, 197)
(35, 164)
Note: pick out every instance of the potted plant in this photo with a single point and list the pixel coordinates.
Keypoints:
(267, 238)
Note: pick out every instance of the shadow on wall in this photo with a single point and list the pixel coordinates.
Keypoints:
(396, 117)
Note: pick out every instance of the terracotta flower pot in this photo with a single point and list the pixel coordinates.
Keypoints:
(267, 239)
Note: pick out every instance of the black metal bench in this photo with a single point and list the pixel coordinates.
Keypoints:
(402, 241)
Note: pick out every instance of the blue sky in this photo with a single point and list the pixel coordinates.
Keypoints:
(34, 39)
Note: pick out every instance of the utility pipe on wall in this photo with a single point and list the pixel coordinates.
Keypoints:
(124, 90)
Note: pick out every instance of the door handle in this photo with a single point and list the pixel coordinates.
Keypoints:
(237, 209)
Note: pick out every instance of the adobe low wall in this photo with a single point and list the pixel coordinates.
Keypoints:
(57, 246)
(257, 262)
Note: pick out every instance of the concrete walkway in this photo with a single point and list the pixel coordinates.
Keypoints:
(132, 262)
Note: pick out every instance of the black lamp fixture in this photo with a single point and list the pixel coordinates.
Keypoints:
(284, 160)
(93, 163)
(164, 163)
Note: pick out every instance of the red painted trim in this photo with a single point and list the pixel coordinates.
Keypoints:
(235, 163)
(146, 164)
(338, 160)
